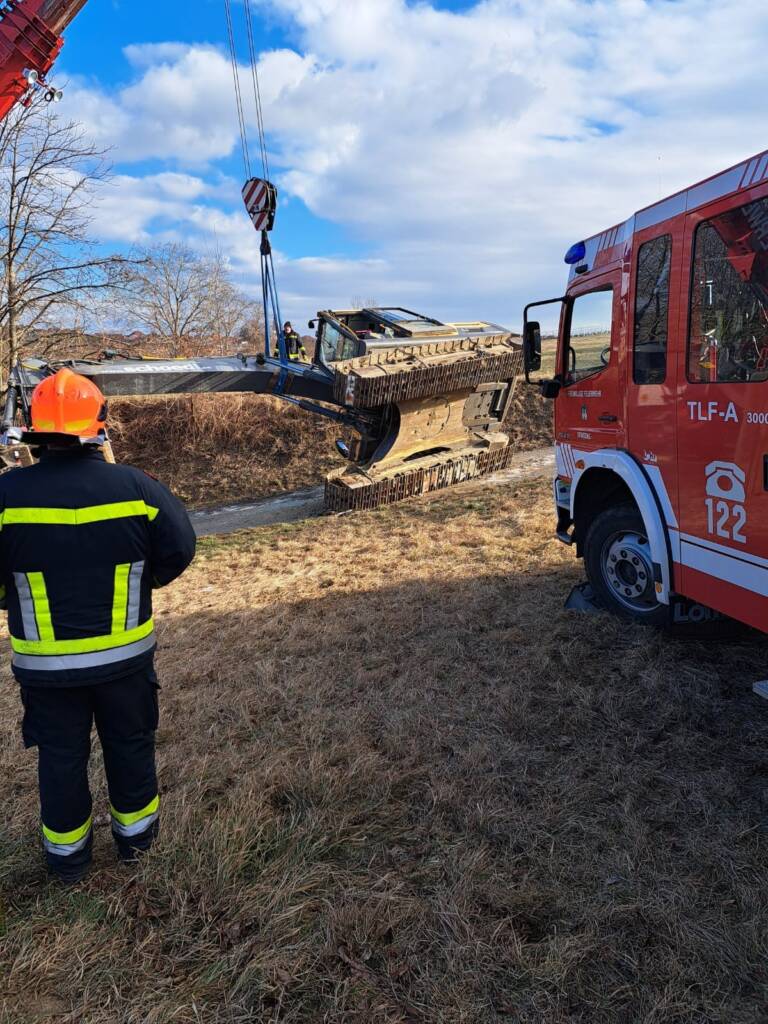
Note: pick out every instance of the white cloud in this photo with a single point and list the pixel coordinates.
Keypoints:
(465, 151)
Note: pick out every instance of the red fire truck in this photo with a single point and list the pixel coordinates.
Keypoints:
(660, 384)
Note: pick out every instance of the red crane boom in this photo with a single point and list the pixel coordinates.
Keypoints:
(30, 42)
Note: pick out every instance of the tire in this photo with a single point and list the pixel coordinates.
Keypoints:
(620, 568)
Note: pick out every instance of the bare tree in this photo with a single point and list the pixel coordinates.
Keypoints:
(186, 302)
(165, 293)
(229, 308)
(251, 334)
(48, 174)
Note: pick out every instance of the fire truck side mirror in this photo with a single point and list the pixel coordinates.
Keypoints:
(550, 388)
(532, 346)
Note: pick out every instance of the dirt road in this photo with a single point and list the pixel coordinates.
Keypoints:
(298, 505)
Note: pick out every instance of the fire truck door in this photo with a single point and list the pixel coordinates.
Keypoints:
(588, 411)
(650, 369)
(722, 410)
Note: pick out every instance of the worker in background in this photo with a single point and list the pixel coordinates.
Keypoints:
(82, 545)
(293, 344)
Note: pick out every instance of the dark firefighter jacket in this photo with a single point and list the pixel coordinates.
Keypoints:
(294, 346)
(82, 544)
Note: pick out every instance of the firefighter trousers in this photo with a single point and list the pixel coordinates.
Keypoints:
(58, 721)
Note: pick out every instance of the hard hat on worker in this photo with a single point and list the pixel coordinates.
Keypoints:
(68, 403)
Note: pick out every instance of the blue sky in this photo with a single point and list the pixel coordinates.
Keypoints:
(437, 155)
(95, 51)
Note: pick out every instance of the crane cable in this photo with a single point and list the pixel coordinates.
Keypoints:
(238, 91)
(253, 58)
(257, 90)
(270, 298)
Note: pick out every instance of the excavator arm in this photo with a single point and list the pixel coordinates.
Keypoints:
(30, 41)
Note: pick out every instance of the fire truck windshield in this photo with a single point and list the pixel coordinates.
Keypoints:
(729, 301)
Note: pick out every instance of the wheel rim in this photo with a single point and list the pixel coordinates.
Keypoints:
(628, 571)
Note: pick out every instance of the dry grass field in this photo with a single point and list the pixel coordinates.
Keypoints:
(588, 352)
(402, 786)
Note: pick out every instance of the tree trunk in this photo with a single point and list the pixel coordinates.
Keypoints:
(13, 323)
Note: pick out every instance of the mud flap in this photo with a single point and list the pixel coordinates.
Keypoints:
(583, 599)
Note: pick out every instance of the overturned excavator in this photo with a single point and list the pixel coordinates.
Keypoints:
(426, 400)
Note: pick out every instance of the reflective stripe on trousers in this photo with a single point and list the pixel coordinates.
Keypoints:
(129, 825)
(64, 844)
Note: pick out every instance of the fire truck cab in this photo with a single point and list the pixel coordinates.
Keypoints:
(660, 385)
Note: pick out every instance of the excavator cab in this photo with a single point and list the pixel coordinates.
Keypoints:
(334, 340)
(343, 335)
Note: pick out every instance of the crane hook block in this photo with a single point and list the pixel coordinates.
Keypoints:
(260, 198)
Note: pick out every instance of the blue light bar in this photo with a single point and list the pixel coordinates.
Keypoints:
(576, 253)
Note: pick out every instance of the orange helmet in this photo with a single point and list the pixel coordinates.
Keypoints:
(67, 403)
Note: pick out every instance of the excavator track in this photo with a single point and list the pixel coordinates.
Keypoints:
(445, 403)
(421, 371)
(358, 492)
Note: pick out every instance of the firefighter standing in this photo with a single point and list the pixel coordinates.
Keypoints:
(82, 545)
(293, 344)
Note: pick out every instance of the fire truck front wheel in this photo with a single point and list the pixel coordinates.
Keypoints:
(618, 561)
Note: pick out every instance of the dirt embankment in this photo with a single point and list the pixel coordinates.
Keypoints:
(213, 449)
(401, 785)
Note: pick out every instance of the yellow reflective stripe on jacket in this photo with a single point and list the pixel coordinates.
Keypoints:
(120, 602)
(67, 838)
(77, 516)
(131, 819)
(42, 607)
(88, 645)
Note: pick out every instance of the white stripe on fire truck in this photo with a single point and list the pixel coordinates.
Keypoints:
(722, 549)
(744, 175)
(746, 575)
(565, 451)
